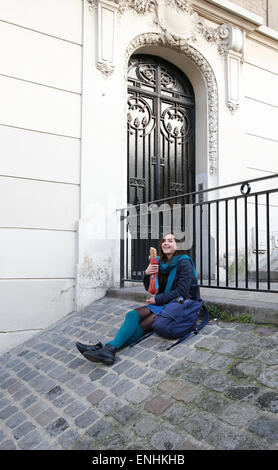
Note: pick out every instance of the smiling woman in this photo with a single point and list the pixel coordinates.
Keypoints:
(177, 278)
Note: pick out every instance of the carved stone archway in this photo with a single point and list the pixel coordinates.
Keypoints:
(181, 45)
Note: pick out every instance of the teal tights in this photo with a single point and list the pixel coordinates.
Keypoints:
(129, 332)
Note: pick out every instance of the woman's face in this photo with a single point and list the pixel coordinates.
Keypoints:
(169, 245)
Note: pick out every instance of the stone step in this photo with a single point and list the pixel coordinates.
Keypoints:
(261, 307)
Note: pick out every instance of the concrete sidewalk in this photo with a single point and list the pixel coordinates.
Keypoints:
(218, 390)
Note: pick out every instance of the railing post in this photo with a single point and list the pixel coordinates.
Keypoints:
(122, 248)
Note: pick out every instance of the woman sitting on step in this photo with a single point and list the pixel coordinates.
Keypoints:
(176, 276)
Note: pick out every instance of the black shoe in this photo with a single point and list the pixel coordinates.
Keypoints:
(106, 355)
(87, 347)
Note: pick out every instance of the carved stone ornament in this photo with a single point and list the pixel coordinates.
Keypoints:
(182, 45)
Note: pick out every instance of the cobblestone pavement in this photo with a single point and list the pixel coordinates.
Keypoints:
(218, 390)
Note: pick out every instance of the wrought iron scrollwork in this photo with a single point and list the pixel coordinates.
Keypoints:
(175, 125)
(139, 116)
(146, 73)
(167, 79)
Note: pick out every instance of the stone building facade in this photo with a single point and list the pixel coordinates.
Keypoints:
(63, 126)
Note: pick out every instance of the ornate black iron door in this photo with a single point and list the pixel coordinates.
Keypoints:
(160, 124)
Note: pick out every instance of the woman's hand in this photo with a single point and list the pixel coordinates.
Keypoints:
(151, 300)
(151, 269)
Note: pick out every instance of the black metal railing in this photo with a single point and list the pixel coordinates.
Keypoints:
(234, 231)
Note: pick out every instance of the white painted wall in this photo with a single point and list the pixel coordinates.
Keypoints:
(40, 120)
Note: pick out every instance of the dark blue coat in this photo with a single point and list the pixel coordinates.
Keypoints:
(184, 285)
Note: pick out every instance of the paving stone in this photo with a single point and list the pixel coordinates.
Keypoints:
(28, 401)
(245, 338)
(15, 387)
(23, 429)
(177, 414)
(125, 415)
(248, 351)
(43, 385)
(75, 409)
(21, 394)
(266, 330)
(245, 369)
(269, 357)
(145, 426)
(138, 394)
(109, 380)
(197, 375)
(165, 440)
(227, 438)
(188, 393)
(7, 445)
(37, 408)
(209, 342)
(69, 438)
(178, 369)
(162, 362)
(54, 392)
(157, 405)
(135, 372)
(145, 356)
(269, 376)
(86, 389)
(227, 347)
(16, 419)
(96, 396)
(85, 419)
(267, 342)
(117, 441)
(268, 401)
(97, 374)
(242, 392)
(218, 362)
(179, 351)
(238, 414)
(170, 386)
(8, 411)
(187, 445)
(30, 376)
(266, 427)
(245, 326)
(201, 426)
(122, 366)
(109, 405)
(226, 333)
(8, 383)
(212, 402)
(44, 445)
(57, 427)
(100, 429)
(152, 378)
(218, 382)
(122, 387)
(3, 403)
(31, 441)
(63, 400)
(46, 417)
(76, 382)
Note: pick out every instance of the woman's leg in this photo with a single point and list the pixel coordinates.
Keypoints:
(134, 327)
(144, 326)
(137, 322)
